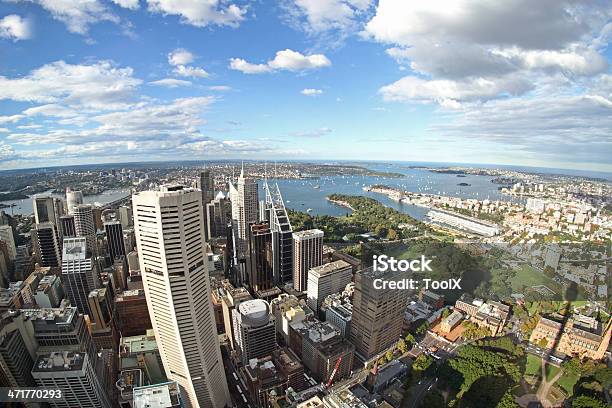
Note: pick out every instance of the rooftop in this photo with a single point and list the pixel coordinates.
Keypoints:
(59, 361)
(157, 396)
(330, 267)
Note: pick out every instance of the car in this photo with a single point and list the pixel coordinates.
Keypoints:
(429, 388)
(420, 382)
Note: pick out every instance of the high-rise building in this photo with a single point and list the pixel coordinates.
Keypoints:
(216, 222)
(103, 330)
(282, 234)
(49, 292)
(245, 201)
(132, 312)
(261, 260)
(79, 273)
(125, 216)
(231, 299)
(46, 244)
(325, 280)
(75, 375)
(307, 253)
(378, 314)
(254, 329)
(169, 227)
(73, 198)
(17, 353)
(206, 183)
(67, 227)
(6, 235)
(44, 210)
(85, 226)
(114, 238)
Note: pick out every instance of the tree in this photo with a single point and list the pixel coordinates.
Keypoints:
(543, 342)
(401, 345)
(410, 339)
(422, 362)
(389, 355)
(433, 400)
(586, 401)
(392, 234)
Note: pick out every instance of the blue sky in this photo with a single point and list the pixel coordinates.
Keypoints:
(513, 82)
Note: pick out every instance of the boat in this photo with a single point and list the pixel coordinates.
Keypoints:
(309, 210)
(317, 186)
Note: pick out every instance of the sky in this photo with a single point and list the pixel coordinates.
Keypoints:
(516, 82)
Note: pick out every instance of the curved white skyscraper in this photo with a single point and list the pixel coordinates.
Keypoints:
(169, 227)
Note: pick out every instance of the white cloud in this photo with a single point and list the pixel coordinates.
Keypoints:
(7, 152)
(180, 56)
(287, 59)
(220, 88)
(51, 109)
(239, 64)
(15, 27)
(98, 85)
(452, 93)
(194, 72)
(334, 19)
(10, 119)
(464, 50)
(200, 13)
(4, 130)
(170, 82)
(77, 15)
(312, 133)
(311, 92)
(128, 4)
(179, 59)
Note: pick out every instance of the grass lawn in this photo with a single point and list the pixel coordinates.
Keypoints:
(527, 275)
(567, 382)
(551, 371)
(533, 365)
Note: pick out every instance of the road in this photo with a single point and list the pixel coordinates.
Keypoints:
(418, 392)
(235, 388)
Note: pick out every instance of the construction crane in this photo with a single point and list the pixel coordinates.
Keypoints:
(331, 377)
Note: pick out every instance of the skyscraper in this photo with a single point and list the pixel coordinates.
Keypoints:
(169, 227)
(254, 329)
(85, 226)
(261, 260)
(6, 235)
(73, 198)
(378, 314)
(44, 210)
(206, 183)
(67, 227)
(282, 233)
(79, 274)
(216, 221)
(114, 238)
(325, 280)
(244, 200)
(307, 253)
(45, 241)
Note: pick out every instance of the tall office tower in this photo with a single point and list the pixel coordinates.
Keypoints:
(260, 261)
(6, 235)
(231, 299)
(17, 353)
(378, 314)
(75, 375)
(73, 198)
(325, 280)
(282, 234)
(307, 253)
(216, 221)
(46, 244)
(85, 226)
(67, 227)
(125, 216)
(103, 330)
(254, 329)
(169, 227)
(114, 238)
(44, 210)
(79, 274)
(132, 312)
(244, 200)
(120, 273)
(206, 183)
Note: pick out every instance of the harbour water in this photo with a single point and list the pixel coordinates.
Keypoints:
(25, 206)
(311, 194)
